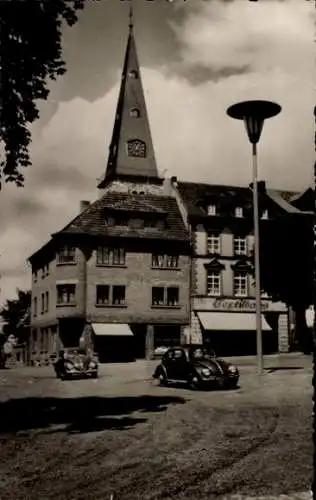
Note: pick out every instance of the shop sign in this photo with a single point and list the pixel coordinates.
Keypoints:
(235, 305)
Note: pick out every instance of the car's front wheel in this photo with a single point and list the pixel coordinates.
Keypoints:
(162, 379)
(194, 382)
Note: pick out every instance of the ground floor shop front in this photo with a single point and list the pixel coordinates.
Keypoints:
(113, 342)
(228, 325)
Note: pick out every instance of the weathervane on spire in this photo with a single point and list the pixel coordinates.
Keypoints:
(130, 15)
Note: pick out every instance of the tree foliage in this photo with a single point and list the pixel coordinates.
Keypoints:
(287, 259)
(16, 314)
(287, 266)
(30, 55)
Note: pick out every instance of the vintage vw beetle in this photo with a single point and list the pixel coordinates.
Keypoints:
(74, 362)
(197, 366)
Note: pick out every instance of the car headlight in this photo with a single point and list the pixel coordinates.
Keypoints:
(233, 369)
(92, 365)
(206, 372)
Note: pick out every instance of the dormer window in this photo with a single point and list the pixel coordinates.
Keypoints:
(134, 113)
(239, 212)
(133, 74)
(265, 214)
(211, 210)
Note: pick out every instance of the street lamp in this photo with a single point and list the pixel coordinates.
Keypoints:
(253, 114)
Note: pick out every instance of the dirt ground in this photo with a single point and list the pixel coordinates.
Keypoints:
(123, 435)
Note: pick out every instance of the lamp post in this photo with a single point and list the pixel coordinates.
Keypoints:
(253, 114)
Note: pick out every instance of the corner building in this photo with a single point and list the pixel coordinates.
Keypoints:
(117, 276)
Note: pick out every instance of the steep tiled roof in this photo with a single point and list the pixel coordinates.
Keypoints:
(129, 128)
(92, 220)
(194, 194)
(134, 205)
(281, 201)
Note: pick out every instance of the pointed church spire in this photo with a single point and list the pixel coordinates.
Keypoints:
(131, 152)
(131, 24)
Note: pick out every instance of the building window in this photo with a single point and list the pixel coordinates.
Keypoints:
(213, 283)
(165, 261)
(103, 294)
(42, 303)
(133, 74)
(211, 210)
(118, 298)
(172, 296)
(265, 214)
(35, 276)
(239, 212)
(45, 271)
(35, 307)
(47, 302)
(121, 221)
(134, 113)
(168, 297)
(240, 284)
(157, 296)
(240, 245)
(213, 243)
(158, 260)
(66, 255)
(66, 294)
(110, 256)
(172, 261)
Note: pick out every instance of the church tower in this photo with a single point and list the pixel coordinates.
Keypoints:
(131, 152)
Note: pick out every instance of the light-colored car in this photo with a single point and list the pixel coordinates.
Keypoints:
(74, 362)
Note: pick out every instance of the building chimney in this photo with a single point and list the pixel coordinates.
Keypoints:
(261, 186)
(174, 180)
(83, 205)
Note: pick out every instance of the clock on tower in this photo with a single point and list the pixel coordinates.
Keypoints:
(136, 148)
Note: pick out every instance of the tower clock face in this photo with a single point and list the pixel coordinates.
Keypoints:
(136, 148)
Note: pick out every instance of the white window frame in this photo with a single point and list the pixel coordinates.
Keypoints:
(239, 212)
(240, 245)
(213, 283)
(213, 243)
(239, 279)
(211, 209)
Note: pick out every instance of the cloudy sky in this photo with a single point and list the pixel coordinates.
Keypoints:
(197, 57)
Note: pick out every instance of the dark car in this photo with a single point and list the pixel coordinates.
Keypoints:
(74, 362)
(196, 366)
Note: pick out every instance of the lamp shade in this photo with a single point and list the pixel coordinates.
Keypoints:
(253, 113)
